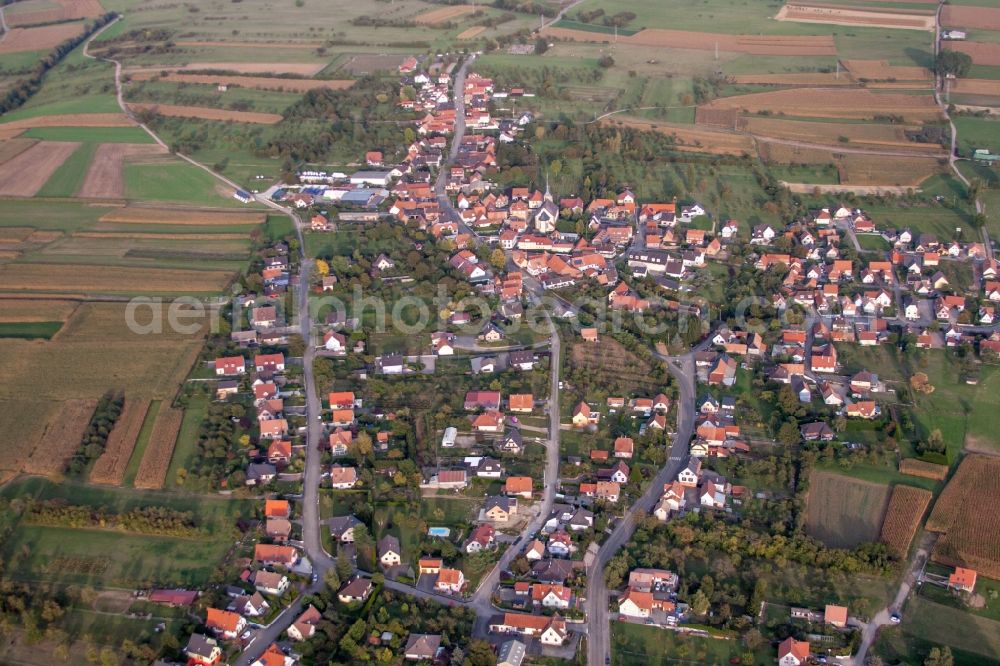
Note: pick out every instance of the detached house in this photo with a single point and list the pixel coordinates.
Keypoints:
(225, 624)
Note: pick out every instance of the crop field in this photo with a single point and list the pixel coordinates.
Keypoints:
(180, 217)
(109, 469)
(300, 68)
(980, 18)
(105, 175)
(806, 79)
(902, 517)
(45, 37)
(33, 12)
(875, 135)
(69, 279)
(842, 511)
(368, 63)
(208, 113)
(60, 438)
(853, 16)
(925, 470)
(25, 174)
(981, 52)
(854, 169)
(975, 640)
(256, 82)
(970, 536)
(881, 70)
(682, 39)
(443, 15)
(976, 87)
(156, 459)
(70, 120)
(11, 148)
(689, 137)
(177, 182)
(34, 309)
(68, 178)
(826, 103)
(471, 33)
(87, 134)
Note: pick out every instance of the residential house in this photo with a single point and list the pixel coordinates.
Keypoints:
(835, 616)
(792, 652)
(202, 651)
(343, 477)
(225, 624)
(342, 528)
(499, 509)
(963, 580)
(518, 485)
(549, 630)
(269, 555)
(449, 581)
(304, 626)
(480, 539)
(422, 647)
(355, 591)
(389, 552)
(269, 582)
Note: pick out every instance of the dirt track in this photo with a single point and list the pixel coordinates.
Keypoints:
(683, 39)
(26, 173)
(208, 113)
(104, 178)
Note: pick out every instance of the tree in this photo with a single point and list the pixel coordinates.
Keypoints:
(322, 268)
(939, 657)
(344, 568)
(541, 45)
(479, 653)
(953, 62)
(555, 168)
(363, 443)
(788, 433)
(700, 604)
(606, 61)
(497, 259)
(332, 578)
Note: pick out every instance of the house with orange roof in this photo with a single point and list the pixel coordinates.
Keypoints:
(522, 403)
(792, 652)
(963, 580)
(274, 508)
(551, 595)
(225, 624)
(835, 616)
(269, 555)
(518, 485)
(549, 630)
(624, 447)
(342, 400)
(449, 580)
(583, 415)
(343, 477)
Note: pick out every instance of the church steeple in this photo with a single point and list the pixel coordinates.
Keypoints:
(548, 193)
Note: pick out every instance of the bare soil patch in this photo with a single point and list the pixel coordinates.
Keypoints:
(207, 113)
(859, 16)
(41, 38)
(964, 16)
(105, 177)
(67, 11)
(981, 52)
(11, 148)
(171, 216)
(256, 82)
(26, 173)
(436, 17)
(684, 39)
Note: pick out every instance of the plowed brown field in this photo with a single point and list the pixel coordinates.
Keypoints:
(170, 216)
(976, 86)
(964, 16)
(71, 120)
(35, 309)
(981, 52)
(104, 179)
(24, 175)
(41, 38)
(11, 148)
(683, 39)
(208, 113)
(256, 82)
(303, 68)
(827, 103)
(30, 13)
(472, 33)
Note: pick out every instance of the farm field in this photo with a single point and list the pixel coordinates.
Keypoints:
(821, 103)
(854, 16)
(152, 471)
(969, 537)
(109, 469)
(60, 438)
(104, 177)
(855, 169)
(21, 310)
(689, 137)
(657, 37)
(842, 511)
(177, 182)
(44, 37)
(67, 179)
(255, 82)
(118, 134)
(27, 173)
(942, 625)
(858, 134)
(33, 12)
(981, 52)
(69, 278)
(906, 508)
(208, 113)
(974, 133)
(141, 443)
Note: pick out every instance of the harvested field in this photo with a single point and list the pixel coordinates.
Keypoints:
(22, 420)
(860, 135)
(30, 13)
(19, 40)
(70, 120)
(11, 148)
(808, 79)
(976, 86)
(174, 216)
(970, 535)
(842, 511)
(832, 103)
(302, 68)
(690, 138)
(104, 179)
(855, 16)
(189, 43)
(472, 33)
(981, 52)
(436, 17)
(60, 438)
(8, 133)
(35, 309)
(138, 235)
(881, 70)
(255, 82)
(964, 16)
(109, 469)
(67, 278)
(208, 113)
(15, 234)
(725, 118)
(926, 470)
(902, 517)
(705, 41)
(26, 173)
(156, 459)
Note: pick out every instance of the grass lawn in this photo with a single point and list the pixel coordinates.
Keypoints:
(178, 181)
(926, 623)
(641, 645)
(68, 178)
(880, 475)
(89, 134)
(447, 511)
(141, 442)
(68, 106)
(987, 588)
(29, 330)
(976, 133)
(934, 219)
(187, 439)
(870, 242)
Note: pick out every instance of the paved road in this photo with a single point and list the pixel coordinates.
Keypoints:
(448, 211)
(598, 615)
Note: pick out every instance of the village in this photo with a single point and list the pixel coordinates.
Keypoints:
(544, 519)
